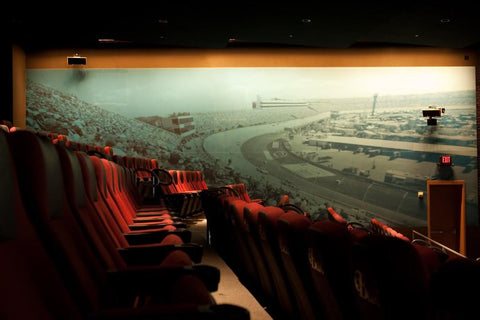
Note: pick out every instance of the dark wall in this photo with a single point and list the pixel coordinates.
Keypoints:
(6, 112)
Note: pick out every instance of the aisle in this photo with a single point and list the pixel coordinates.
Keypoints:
(230, 289)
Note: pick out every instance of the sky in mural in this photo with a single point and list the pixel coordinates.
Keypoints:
(146, 92)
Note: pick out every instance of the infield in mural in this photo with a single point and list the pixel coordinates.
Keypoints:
(351, 138)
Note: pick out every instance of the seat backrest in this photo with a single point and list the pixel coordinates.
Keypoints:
(41, 184)
(201, 178)
(126, 193)
(268, 235)
(27, 273)
(334, 216)
(389, 279)
(107, 185)
(174, 187)
(250, 218)
(382, 228)
(94, 197)
(104, 195)
(453, 287)
(4, 128)
(292, 229)
(85, 213)
(240, 254)
(213, 206)
(329, 251)
(108, 152)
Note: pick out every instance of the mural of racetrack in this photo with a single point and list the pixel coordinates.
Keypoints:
(322, 136)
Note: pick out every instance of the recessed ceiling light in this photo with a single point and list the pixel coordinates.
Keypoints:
(110, 40)
(306, 20)
(445, 20)
(290, 35)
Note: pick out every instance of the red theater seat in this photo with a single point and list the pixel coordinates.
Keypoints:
(268, 235)
(42, 184)
(250, 216)
(118, 229)
(121, 211)
(242, 256)
(116, 184)
(292, 230)
(47, 270)
(27, 273)
(389, 279)
(98, 233)
(241, 190)
(329, 254)
(453, 289)
(334, 216)
(213, 203)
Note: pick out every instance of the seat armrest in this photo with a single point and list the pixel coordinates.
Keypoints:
(175, 312)
(155, 254)
(145, 280)
(150, 237)
(146, 226)
(156, 214)
(141, 219)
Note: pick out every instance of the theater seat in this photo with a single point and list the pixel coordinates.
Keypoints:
(334, 216)
(119, 199)
(26, 273)
(292, 230)
(91, 285)
(265, 281)
(268, 235)
(453, 289)
(35, 286)
(240, 257)
(389, 279)
(241, 190)
(124, 220)
(382, 228)
(218, 226)
(109, 244)
(329, 254)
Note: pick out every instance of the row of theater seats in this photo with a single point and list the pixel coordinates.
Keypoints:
(179, 190)
(335, 269)
(76, 244)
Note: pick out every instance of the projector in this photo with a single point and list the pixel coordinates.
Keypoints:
(431, 113)
(76, 60)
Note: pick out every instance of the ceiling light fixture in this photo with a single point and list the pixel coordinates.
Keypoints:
(445, 20)
(306, 20)
(111, 40)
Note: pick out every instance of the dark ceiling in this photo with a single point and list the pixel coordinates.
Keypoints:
(197, 24)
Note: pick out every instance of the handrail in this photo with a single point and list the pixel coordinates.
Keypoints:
(438, 244)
